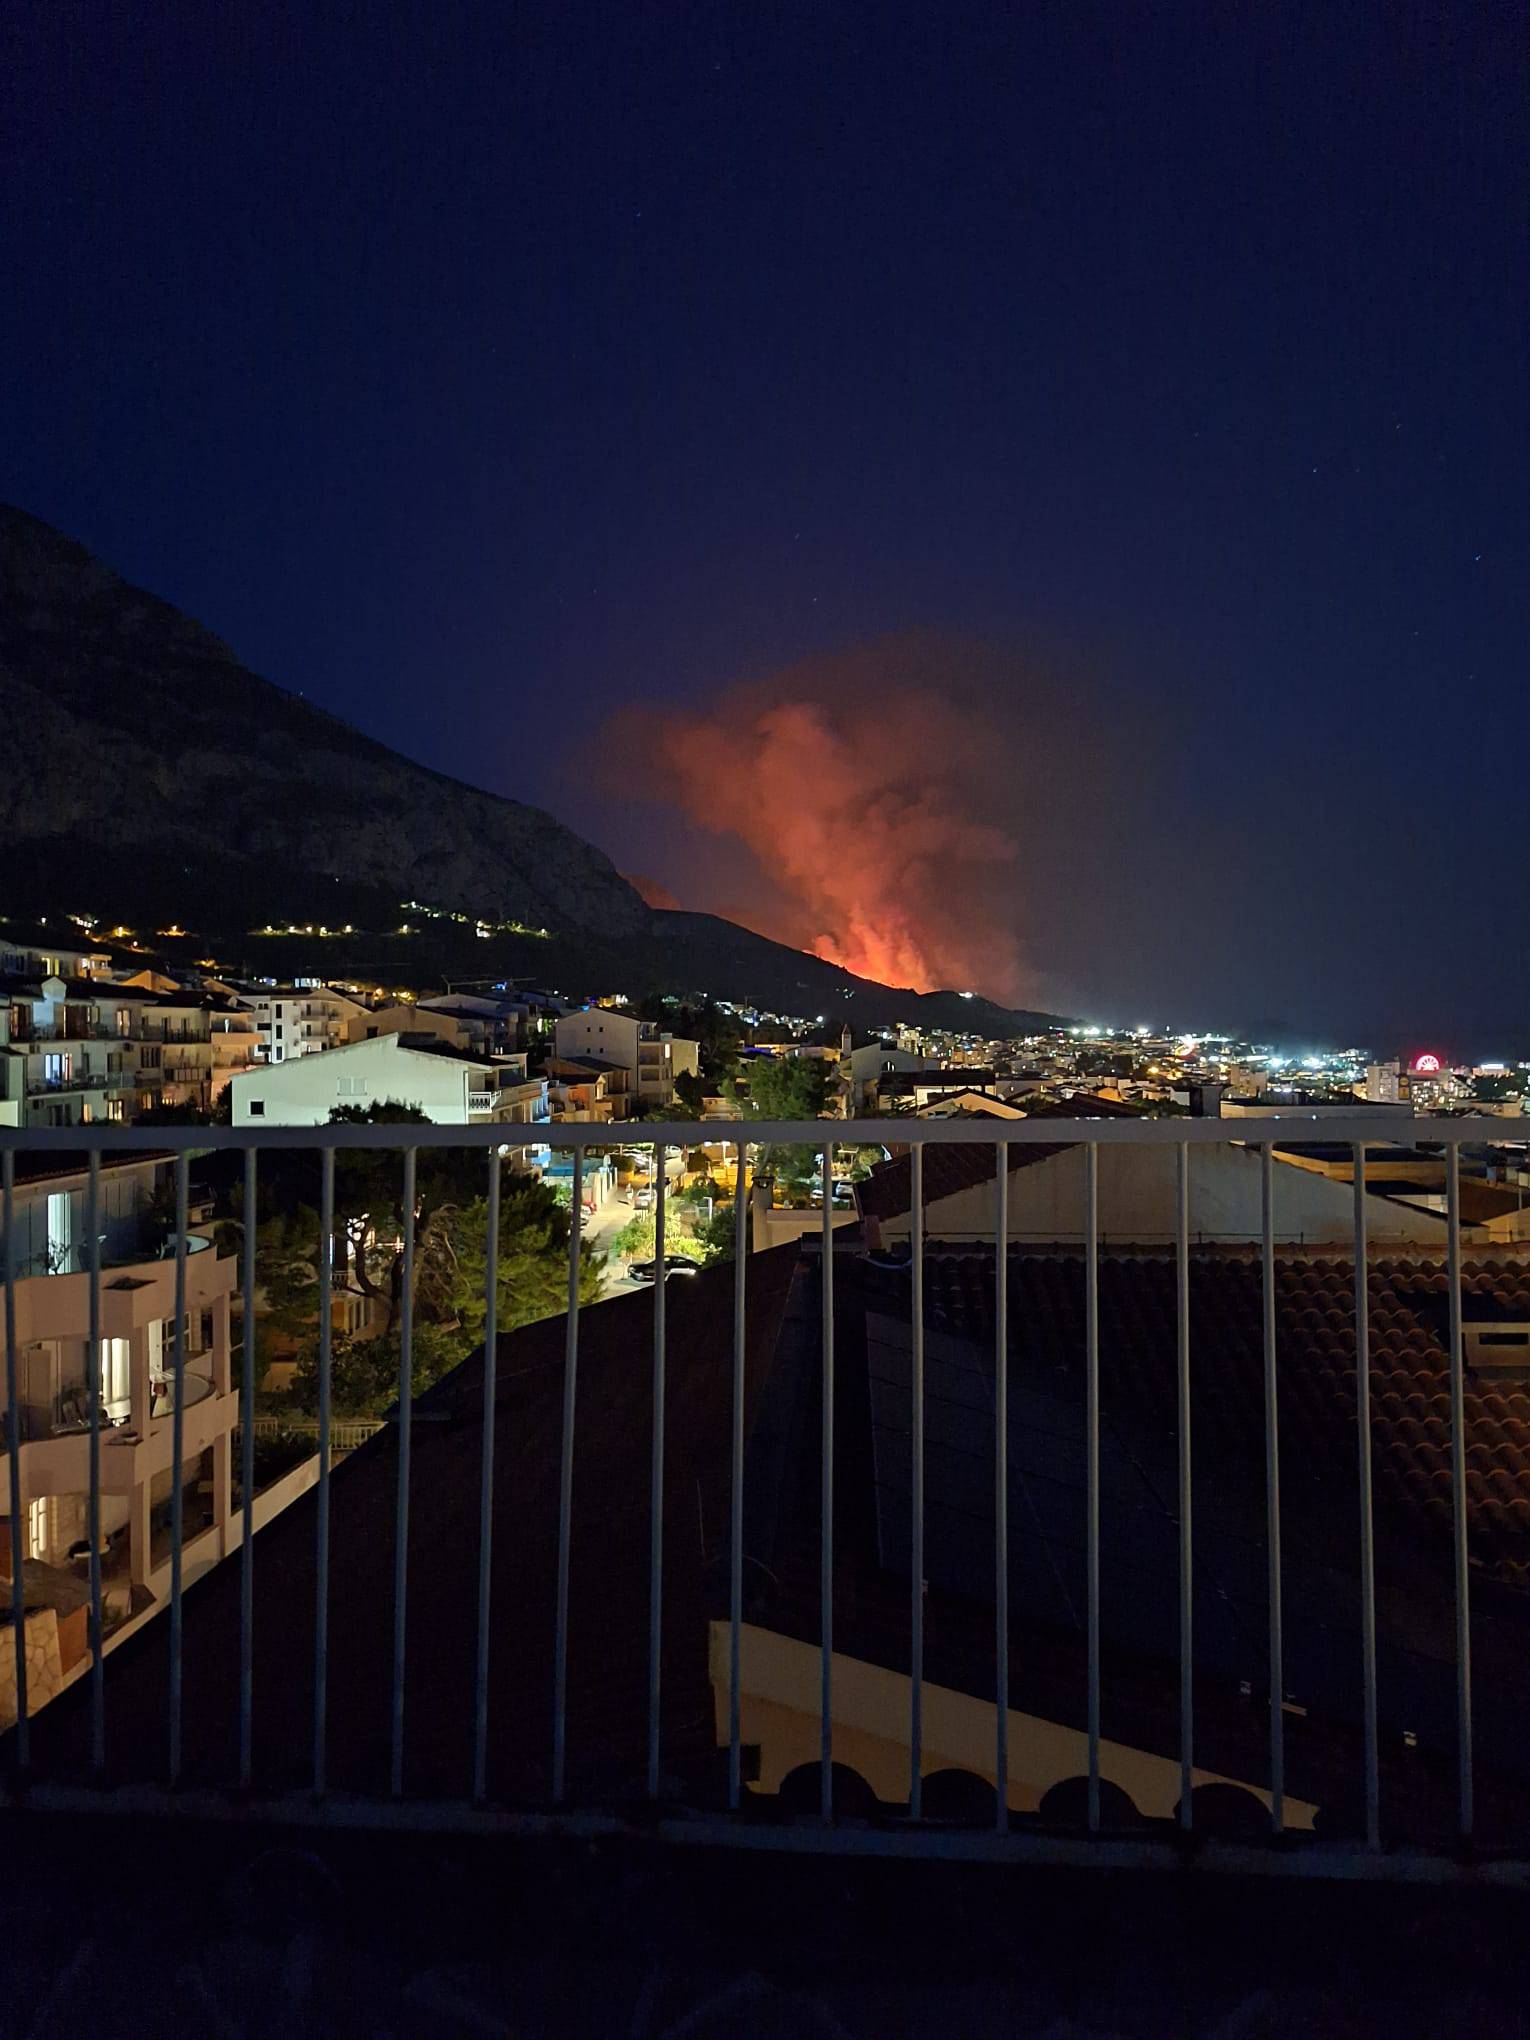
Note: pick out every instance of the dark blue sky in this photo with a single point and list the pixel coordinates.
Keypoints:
(481, 371)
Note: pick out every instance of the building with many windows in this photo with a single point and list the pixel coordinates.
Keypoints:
(297, 1020)
(49, 1248)
(651, 1059)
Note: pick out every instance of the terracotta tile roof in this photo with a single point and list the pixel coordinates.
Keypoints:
(1315, 1329)
(1410, 1421)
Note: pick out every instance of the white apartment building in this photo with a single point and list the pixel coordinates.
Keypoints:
(84, 1051)
(36, 955)
(137, 1349)
(449, 1087)
(652, 1060)
(65, 1058)
(297, 1020)
(493, 1025)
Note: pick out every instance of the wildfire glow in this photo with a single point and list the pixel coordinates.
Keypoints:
(861, 814)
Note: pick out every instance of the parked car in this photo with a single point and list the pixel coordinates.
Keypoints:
(645, 1199)
(648, 1271)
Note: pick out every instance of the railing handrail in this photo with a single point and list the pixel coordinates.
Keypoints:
(1333, 1129)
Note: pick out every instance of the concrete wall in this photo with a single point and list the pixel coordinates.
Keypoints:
(770, 1225)
(780, 1713)
(45, 1672)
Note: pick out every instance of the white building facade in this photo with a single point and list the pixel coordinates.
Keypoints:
(449, 1088)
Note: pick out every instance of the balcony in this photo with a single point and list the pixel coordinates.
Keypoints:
(155, 1244)
(162, 1398)
(82, 1080)
(184, 1073)
(72, 1031)
(895, 1553)
(68, 1414)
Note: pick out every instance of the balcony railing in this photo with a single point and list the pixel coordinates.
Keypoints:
(990, 1494)
(46, 1036)
(80, 1080)
(156, 1243)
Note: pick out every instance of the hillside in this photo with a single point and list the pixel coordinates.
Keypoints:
(153, 778)
(136, 736)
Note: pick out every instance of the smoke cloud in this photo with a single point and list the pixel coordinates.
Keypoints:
(871, 800)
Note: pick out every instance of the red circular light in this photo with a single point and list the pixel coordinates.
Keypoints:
(1427, 1065)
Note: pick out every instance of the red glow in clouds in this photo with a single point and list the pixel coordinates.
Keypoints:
(863, 816)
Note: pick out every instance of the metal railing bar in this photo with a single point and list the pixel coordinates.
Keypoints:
(177, 1454)
(1367, 1526)
(1186, 1545)
(577, 1136)
(566, 1488)
(916, 1541)
(1001, 1486)
(826, 1506)
(1272, 1496)
(1465, 1814)
(486, 1480)
(13, 1456)
(1091, 1134)
(656, 1475)
(736, 1485)
(247, 1372)
(401, 1510)
(93, 1484)
(326, 1372)
(1092, 1456)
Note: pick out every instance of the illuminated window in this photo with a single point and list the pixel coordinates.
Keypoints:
(116, 1377)
(60, 1230)
(37, 1527)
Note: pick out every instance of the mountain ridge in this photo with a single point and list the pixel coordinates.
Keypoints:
(152, 772)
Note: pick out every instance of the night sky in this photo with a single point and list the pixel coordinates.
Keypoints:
(1122, 410)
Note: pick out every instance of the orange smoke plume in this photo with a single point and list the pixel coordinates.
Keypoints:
(865, 813)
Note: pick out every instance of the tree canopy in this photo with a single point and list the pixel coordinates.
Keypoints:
(783, 1087)
(450, 1266)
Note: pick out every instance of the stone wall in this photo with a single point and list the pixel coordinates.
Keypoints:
(45, 1676)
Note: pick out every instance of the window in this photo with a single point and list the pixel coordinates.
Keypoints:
(60, 1230)
(57, 1068)
(149, 1058)
(116, 1377)
(257, 1108)
(37, 1527)
(114, 1108)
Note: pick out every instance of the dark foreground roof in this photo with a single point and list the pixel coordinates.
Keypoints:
(607, 1664)
(1139, 1528)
